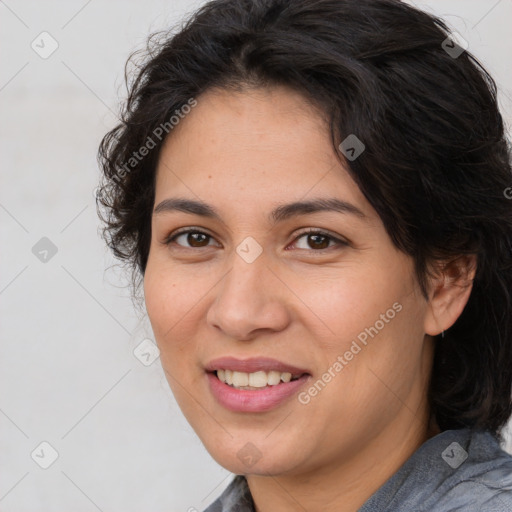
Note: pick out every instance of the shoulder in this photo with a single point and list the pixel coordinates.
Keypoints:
(458, 470)
(481, 480)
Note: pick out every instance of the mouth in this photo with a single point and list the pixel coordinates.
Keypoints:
(254, 385)
(254, 373)
(256, 380)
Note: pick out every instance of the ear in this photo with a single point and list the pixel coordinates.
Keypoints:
(449, 293)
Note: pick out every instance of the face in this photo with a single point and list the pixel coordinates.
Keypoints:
(320, 291)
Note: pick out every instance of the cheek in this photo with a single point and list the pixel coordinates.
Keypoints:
(342, 307)
(158, 294)
(373, 321)
(169, 304)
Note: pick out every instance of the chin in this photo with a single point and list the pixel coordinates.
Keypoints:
(246, 457)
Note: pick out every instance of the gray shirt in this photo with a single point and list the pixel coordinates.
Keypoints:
(456, 470)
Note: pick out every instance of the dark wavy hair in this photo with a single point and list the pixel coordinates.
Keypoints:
(436, 168)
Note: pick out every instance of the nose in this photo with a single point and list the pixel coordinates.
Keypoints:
(250, 300)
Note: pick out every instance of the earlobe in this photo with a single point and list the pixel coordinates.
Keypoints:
(449, 293)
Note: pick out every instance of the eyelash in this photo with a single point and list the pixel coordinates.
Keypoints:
(310, 231)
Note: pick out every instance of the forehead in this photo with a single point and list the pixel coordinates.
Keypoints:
(252, 146)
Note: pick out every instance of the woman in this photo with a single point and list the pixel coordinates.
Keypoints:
(313, 194)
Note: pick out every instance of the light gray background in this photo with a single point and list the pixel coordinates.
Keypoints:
(68, 375)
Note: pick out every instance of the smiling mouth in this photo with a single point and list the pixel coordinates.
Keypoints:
(256, 380)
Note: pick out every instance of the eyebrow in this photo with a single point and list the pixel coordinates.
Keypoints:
(279, 214)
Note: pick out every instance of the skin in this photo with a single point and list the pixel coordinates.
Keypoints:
(302, 301)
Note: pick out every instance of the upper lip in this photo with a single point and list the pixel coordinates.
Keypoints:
(253, 364)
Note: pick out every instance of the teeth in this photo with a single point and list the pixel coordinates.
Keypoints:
(286, 377)
(273, 378)
(240, 379)
(255, 380)
(258, 379)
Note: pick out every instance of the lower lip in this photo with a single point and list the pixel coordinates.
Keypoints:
(243, 400)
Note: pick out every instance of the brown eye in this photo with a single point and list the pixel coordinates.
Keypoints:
(318, 240)
(189, 239)
(197, 239)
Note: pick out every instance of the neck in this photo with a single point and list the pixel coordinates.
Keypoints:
(341, 487)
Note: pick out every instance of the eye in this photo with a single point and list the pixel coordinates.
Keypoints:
(194, 237)
(319, 240)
